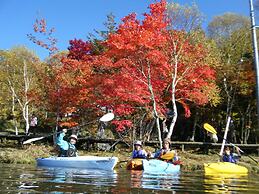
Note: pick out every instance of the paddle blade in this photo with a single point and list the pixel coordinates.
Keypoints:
(107, 117)
(209, 128)
(168, 155)
(32, 140)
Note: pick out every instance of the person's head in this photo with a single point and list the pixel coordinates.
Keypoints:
(166, 143)
(227, 151)
(73, 139)
(137, 145)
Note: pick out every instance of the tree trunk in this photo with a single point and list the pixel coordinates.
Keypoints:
(26, 118)
(242, 129)
(173, 100)
(149, 129)
(133, 136)
(248, 123)
(141, 127)
(154, 106)
(14, 115)
(26, 100)
(172, 124)
(194, 126)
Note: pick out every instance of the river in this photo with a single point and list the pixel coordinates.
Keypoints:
(32, 179)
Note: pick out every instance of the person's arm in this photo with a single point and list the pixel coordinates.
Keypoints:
(134, 154)
(150, 154)
(142, 154)
(175, 158)
(158, 154)
(61, 142)
(235, 157)
(238, 152)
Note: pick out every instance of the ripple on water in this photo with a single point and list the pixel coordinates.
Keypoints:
(30, 179)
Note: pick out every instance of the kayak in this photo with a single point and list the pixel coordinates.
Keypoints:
(135, 164)
(159, 166)
(224, 167)
(84, 162)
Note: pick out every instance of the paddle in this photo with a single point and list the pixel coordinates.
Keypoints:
(211, 129)
(105, 118)
(168, 155)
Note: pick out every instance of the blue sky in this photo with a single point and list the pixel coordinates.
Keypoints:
(76, 18)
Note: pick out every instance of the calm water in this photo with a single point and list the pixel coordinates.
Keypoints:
(30, 179)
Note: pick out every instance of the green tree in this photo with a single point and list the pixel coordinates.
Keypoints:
(236, 77)
(19, 66)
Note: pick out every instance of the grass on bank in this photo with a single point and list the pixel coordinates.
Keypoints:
(192, 159)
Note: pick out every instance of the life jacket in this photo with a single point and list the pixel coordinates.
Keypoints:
(163, 152)
(71, 152)
(230, 158)
(138, 154)
(173, 159)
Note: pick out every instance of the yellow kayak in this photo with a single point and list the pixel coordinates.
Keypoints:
(224, 167)
(135, 164)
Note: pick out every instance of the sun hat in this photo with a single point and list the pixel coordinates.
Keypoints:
(166, 140)
(73, 137)
(138, 143)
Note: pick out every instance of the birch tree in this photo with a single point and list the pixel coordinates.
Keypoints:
(19, 65)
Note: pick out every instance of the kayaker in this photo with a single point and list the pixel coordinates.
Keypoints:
(138, 151)
(66, 149)
(166, 149)
(229, 156)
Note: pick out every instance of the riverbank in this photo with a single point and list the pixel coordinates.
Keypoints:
(192, 159)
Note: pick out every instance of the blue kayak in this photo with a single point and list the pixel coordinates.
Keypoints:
(83, 162)
(159, 166)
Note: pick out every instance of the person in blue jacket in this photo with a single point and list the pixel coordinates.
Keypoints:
(229, 156)
(138, 152)
(67, 149)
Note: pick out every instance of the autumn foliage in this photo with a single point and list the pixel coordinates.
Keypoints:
(141, 64)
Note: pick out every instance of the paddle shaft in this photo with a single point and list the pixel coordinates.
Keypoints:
(39, 138)
(224, 139)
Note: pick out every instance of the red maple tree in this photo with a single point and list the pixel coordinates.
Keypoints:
(143, 65)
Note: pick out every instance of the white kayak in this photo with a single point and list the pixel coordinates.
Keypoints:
(84, 162)
(159, 166)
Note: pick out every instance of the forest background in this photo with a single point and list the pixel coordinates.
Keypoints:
(162, 76)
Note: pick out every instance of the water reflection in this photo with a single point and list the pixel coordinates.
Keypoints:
(80, 176)
(141, 179)
(62, 180)
(29, 179)
(227, 183)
